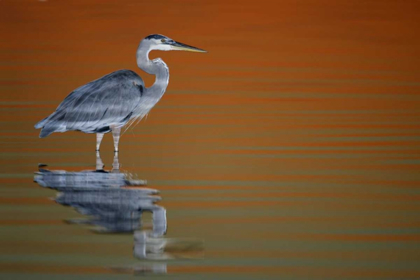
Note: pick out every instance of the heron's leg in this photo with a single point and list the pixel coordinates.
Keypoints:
(116, 134)
(115, 163)
(99, 137)
(99, 163)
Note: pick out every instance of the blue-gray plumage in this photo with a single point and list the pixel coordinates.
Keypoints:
(117, 99)
(91, 108)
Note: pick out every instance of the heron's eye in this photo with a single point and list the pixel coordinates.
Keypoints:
(163, 40)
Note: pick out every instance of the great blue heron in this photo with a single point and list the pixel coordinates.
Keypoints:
(120, 98)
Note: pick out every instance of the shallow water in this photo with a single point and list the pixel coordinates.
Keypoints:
(290, 150)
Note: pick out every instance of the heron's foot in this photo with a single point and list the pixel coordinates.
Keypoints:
(115, 163)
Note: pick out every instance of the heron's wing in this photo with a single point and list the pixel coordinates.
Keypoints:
(94, 107)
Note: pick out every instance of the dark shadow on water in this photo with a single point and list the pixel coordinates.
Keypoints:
(114, 203)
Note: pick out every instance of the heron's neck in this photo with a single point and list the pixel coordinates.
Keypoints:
(155, 67)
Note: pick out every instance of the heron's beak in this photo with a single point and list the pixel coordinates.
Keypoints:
(183, 47)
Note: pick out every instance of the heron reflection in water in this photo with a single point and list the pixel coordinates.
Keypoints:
(115, 204)
(116, 100)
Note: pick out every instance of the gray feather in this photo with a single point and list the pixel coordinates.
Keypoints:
(109, 101)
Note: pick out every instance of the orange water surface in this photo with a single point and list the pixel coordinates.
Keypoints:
(292, 148)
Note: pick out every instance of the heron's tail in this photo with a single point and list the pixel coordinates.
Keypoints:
(41, 123)
(50, 124)
(46, 131)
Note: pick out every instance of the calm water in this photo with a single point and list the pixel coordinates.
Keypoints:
(290, 151)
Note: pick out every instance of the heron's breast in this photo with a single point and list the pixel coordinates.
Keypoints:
(146, 104)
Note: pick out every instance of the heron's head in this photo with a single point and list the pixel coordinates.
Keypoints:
(163, 43)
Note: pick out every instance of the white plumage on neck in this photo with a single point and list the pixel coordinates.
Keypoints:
(156, 67)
